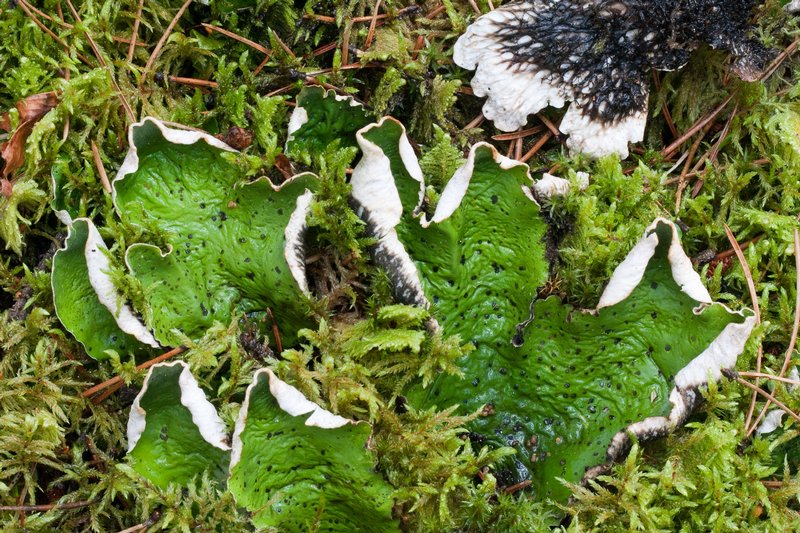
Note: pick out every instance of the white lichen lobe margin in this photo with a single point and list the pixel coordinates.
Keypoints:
(172, 135)
(203, 413)
(292, 401)
(721, 354)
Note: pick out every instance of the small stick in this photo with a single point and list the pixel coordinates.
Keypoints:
(99, 56)
(372, 23)
(758, 390)
(518, 134)
(252, 44)
(162, 40)
(550, 126)
(517, 149)
(796, 326)
(518, 487)
(193, 82)
(754, 297)
(536, 147)
(135, 31)
(769, 376)
(101, 170)
(47, 507)
(324, 49)
(275, 331)
(475, 122)
(436, 12)
(147, 364)
(283, 45)
(666, 152)
(27, 9)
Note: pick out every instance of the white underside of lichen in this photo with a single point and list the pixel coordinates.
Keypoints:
(375, 193)
(294, 249)
(291, 401)
(204, 415)
(548, 185)
(456, 188)
(512, 93)
(596, 138)
(515, 91)
(99, 267)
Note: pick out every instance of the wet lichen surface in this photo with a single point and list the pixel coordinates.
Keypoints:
(468, 390)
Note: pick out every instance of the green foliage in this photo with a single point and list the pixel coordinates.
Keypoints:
(69, 450)
(26, 199)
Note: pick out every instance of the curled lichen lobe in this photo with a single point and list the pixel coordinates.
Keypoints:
(600, 52)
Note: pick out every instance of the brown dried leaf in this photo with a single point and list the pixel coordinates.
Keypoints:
(31, 110)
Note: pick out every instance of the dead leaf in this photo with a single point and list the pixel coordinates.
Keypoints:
(31, 110)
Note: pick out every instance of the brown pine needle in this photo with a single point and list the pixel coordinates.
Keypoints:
(283, 45)
(372, 24)
(754, 297)
(518, 134)
(27, 8)
(475, 122)
(536, 147)
(769, 376)
(101, 59)
(194, 82)
(147, 364)
(160, 44)
(252, 44)
(135, 32)
(549, 124)
(666, 152)
(787, 359)
(101, 170)
(47, 507)
(758, 390)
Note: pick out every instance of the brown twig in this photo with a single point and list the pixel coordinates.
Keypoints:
(683, 179)
(518, 134)
(283, 45)
(193, 82)
(101, 170)
(758, 390)
(536, 147)
(754, 297)
(27, 8)
(147, 364)
(549, 124)
(135, 31)
(160, 44)
(769, 376)
(787, 358)
(252, 44)
(475, 122)
(372, 24)
(666, 152)
(47, 507)
(101, 59)
(276, 332)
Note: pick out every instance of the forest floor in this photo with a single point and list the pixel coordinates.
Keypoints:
(721, 158)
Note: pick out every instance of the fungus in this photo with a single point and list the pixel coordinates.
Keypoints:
(537, 53)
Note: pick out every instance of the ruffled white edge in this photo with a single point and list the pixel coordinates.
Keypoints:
(721, 354)
(597, 139)
(457, 187)
(293, 250)
(793, 6)
(294, 247)
(299, 115)
(292, 401)
(629, 273)
(98, 267)
(176, 136)
(204, 415)
(378, 203)
(511, 95)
